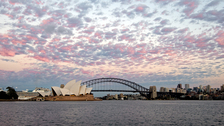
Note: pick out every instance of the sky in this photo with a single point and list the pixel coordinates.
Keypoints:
(46, 43)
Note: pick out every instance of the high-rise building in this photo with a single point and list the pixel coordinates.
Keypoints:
(222, 88)
(208, 89)
(162, 89)
(187, 86)
(200, 86)
(179, 86)
(166, 89)
(195, 89)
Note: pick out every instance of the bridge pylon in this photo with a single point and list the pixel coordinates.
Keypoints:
(152, 92)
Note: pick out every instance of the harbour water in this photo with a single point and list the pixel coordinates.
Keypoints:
(113, 113)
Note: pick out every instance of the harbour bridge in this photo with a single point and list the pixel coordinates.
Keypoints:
(106, 85)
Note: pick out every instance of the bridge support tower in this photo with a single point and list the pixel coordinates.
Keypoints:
(153, 92)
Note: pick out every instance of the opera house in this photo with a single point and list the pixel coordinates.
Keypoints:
(72, 91)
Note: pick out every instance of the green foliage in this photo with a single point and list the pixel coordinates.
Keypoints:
(3, 95)
(12, 93)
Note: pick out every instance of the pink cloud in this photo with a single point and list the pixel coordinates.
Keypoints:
(10, 16)
(55, 39)
(87, 72)
(124, 30)
(198, 16)
(183, 30)
(67, 48)
(126, 38)
(7, 52)
(100, 63)
(16, 41)
(168, 29)
(41, 58)
(92, 40)
(143, 51)
(88, 31)
(13, 3)
(170, 52)
(41, 42)
(154, 51)
(191, 5)
(121, 47)
(164, 0)
(34, 72)
(189, 38)
(220, 38)
(98, 34)
(131, 50)
(47, 21)
(39, 2)
(30, 51)
(201, 44)
(139, 8)
(31, 37)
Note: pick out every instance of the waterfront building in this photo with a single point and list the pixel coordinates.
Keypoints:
(121, 95)
(71, 88)
(204, 88)
(183, 91)
(179, 86)
(27, 95)
(42, 91)
(172, 90)
(116, 96)
(1, 89)
(213, 90)
(178, 90)
(222, 88)
(187, 86)
(166, 89)
(189, 90)
(195, 89)
(162, 89)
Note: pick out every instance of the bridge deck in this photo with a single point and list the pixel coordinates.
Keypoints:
(133, 91)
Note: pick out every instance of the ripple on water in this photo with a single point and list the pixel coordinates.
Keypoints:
(112, 113)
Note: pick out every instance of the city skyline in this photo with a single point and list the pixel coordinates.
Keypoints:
(157, 42)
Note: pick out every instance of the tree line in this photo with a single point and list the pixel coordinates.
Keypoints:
(10, 94)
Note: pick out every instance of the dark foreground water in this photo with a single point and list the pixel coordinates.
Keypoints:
(112, 113)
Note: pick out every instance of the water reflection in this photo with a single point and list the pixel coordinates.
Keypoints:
(112, 113)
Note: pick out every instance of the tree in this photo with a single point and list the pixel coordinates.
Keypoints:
(3, 95)
(12, 93)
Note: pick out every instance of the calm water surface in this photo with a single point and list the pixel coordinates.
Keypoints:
(112, 113)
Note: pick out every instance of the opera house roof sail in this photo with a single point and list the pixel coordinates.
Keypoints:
(71, 88)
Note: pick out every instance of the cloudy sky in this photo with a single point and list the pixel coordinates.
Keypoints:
(46, 43)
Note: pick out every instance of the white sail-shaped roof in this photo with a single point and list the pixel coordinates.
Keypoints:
(70, 84)
(64, 91)
(75, 88)
(88, 90)
(72, 87)
(56, 90)
(82, 90)
(45, 93)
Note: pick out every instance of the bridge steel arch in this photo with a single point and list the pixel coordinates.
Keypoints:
(138, 88)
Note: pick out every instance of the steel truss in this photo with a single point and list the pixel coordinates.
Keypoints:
(138, 88)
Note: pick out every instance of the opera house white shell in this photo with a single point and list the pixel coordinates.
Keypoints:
(71, 88)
